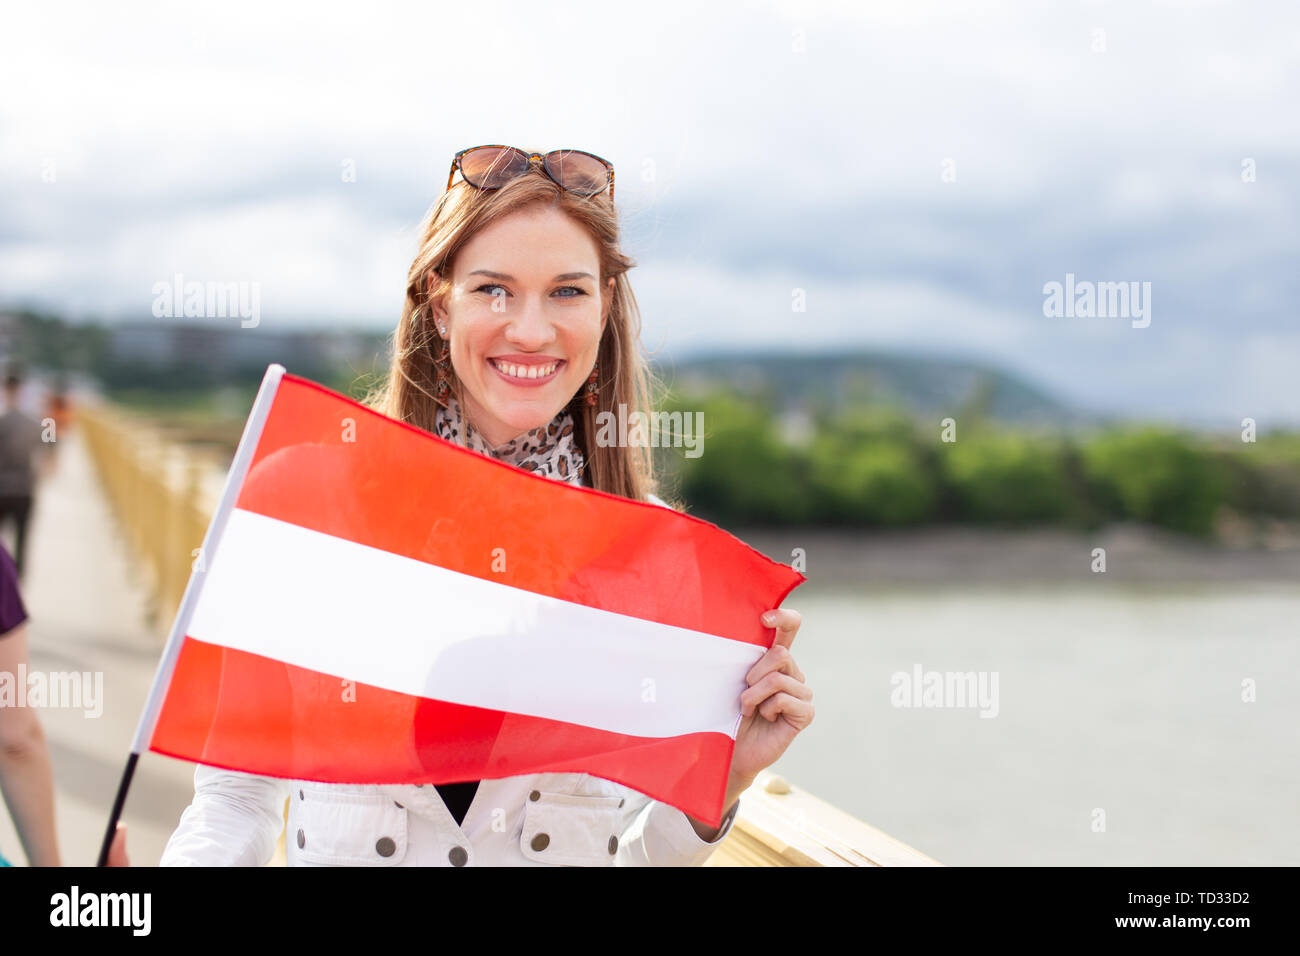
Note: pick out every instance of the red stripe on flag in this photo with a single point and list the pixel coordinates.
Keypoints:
(242, 711)
(330, 464)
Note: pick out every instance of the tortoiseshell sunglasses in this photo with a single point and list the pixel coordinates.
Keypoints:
(491, 167)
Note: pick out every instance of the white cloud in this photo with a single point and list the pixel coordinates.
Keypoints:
(207, 139)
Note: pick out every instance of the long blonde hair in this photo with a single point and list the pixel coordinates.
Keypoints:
(624, 376)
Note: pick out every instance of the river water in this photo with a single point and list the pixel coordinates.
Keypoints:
(1121, 735)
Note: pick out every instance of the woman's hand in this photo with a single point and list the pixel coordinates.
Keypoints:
(777, 705)
(117, 849)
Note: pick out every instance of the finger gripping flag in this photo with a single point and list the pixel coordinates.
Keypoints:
(378, 605)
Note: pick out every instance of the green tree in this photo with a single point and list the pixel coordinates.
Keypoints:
(1157, 476)
(744, 472)
(874, 481)
(1007, 477)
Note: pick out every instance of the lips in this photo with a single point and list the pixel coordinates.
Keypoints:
(531, 372)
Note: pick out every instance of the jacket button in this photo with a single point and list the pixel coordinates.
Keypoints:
(300, 796)
(540, 842)
(302, 839)
(385, 846)
(622, 801)
(398, 805)
(535, 795)
(613, 845)
(458, 856)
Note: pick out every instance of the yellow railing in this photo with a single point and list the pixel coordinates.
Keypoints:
(780, 824)
(157, 491)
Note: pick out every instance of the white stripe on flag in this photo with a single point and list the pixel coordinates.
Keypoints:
(360, 613)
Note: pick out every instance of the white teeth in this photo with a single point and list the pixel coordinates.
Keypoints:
(526, 371)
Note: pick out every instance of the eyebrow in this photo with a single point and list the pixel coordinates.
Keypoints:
(563, 277)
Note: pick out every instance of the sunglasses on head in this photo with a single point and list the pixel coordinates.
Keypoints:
(491, 167)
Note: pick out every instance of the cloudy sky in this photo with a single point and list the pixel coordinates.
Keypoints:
(920, 169)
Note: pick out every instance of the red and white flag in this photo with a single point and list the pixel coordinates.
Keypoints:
(377, 605)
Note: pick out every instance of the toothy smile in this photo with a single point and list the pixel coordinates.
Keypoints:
(524, 371)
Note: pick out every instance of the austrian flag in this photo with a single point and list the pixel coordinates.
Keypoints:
(374, 604)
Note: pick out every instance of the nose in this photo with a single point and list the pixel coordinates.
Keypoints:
(529, 329)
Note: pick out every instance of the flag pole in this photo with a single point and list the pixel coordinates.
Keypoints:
(162, 677)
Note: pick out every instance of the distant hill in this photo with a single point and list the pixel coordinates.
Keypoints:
(916, 384)
(181, 355)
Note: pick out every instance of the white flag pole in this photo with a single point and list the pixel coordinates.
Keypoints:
(162, 677)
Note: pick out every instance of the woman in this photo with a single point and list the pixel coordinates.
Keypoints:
(519, 327)
(25, 776)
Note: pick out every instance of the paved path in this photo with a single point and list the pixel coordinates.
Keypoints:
(86, 605)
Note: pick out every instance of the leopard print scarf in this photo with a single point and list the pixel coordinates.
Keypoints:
(548, 450)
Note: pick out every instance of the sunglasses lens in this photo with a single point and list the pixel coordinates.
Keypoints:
(578, 172)
(490, 167)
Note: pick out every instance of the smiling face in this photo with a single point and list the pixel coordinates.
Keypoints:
(524, 318)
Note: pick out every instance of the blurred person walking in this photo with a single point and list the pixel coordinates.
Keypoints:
(21, 438)
(26, 777)
(58, 409)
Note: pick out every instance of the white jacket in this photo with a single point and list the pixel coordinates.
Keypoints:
(549, 819)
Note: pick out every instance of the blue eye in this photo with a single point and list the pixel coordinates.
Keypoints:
(571, 288)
